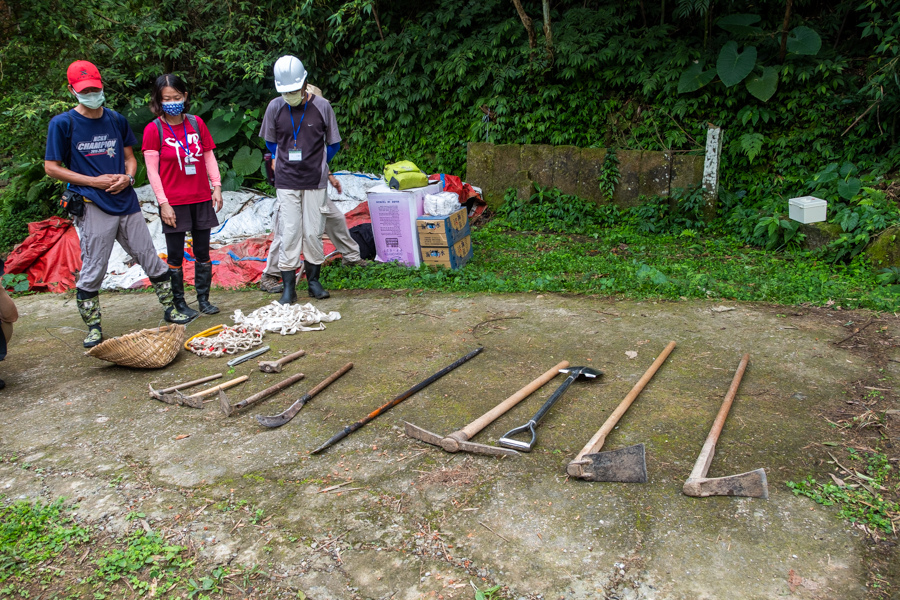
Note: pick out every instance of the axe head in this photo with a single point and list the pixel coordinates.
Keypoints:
(752, 484)
(625, 465)
(225, 404)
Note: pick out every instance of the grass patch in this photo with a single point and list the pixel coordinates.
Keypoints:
(867, 491)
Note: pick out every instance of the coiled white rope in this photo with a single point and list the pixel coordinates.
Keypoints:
(229, 341)
(286, 319)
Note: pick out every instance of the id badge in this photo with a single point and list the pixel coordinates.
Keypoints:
(190, 169)
(295, 155)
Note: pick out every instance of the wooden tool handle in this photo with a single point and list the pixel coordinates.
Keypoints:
(596, 442)
(290, 357)
(223, 386)
(331, 379)
(487, 418)
(709, 446)
(188, 384)
(269, 391)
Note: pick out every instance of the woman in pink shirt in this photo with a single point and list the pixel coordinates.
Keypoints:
(184, 175)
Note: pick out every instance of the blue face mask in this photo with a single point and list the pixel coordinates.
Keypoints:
(173, 108)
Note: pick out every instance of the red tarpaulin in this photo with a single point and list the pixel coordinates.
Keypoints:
(51, 256)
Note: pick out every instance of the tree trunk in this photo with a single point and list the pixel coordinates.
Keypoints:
(784, 30)
(548, 31)
(526, 21)
(377, 21)
(643, 14)
(662, 13)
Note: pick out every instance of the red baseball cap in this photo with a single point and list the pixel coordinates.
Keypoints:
(83, 74)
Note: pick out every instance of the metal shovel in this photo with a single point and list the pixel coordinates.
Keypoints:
(574, 373)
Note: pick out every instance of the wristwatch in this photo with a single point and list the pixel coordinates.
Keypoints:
(131, 177)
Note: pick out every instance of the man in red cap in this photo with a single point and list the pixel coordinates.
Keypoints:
(90, 149)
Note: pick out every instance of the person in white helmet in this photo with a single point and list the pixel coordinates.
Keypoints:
(302, 133)
(335, 228)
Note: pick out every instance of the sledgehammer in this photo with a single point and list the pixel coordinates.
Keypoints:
(625, 465)
(752, 484)
(459, 440)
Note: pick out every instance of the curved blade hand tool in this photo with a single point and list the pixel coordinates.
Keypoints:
(159, 394)
(752, 484)
(229, 410)
(507, 440)
(290, 413)
(459, 440)
(196, 400)
(625, 465)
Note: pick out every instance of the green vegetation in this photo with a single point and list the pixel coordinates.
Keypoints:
(557, 243)
(796, 87)
(862, 500)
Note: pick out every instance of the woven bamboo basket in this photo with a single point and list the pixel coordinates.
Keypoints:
(144, 349)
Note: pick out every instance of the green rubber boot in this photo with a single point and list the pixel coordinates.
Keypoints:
(89, 308)
(163, 288)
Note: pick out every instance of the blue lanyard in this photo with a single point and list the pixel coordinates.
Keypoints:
(177, 141)
(291, 112)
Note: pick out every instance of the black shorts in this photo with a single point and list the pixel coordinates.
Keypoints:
(192, 217)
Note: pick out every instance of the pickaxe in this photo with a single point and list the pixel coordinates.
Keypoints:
(274, 366)
(507, 441)
(196, 400)
(752, 483)
(159, 394)
(625, 465)
(459, 440)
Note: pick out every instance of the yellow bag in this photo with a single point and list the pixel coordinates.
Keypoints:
(404, 175)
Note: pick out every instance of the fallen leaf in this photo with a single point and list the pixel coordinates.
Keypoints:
(837, 480)
(182, 436)
(722, 308)
(631, 354)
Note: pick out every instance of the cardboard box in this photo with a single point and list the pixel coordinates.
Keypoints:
(454, 257)
(394, 214)
(443, 231)
(807, 209)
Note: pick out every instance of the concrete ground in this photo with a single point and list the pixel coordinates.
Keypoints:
(412, 521)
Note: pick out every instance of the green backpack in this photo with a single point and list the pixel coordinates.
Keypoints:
(404, 175)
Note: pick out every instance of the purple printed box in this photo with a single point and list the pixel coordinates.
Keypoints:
(394, 215)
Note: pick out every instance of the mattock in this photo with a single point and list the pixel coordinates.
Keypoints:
(625, 465)
(459, 440)
(161, 394)
(196, 400)
(752, 483)
(229, 410)
(274, 366)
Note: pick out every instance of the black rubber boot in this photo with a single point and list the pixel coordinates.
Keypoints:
(312, 280)
(162, 285)
(203, 281)
(289, 296)
(176, 276)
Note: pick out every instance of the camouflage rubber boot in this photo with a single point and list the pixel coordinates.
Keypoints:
(163, 288)
(89, 307)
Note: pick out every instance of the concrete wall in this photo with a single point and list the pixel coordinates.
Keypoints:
(575, 171)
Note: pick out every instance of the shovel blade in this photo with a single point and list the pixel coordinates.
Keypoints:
(752, 484)
(625, 465)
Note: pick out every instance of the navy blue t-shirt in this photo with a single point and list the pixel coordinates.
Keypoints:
(94, 147)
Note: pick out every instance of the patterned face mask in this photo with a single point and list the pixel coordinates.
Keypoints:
(294, 98)
(173, 108)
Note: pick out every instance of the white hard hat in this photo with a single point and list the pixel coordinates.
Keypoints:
(290, 74)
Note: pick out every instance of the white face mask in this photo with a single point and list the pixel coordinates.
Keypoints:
(294, 98)
(92, 100)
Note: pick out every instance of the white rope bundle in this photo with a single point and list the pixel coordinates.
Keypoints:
(286, 319)
(229, 341)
